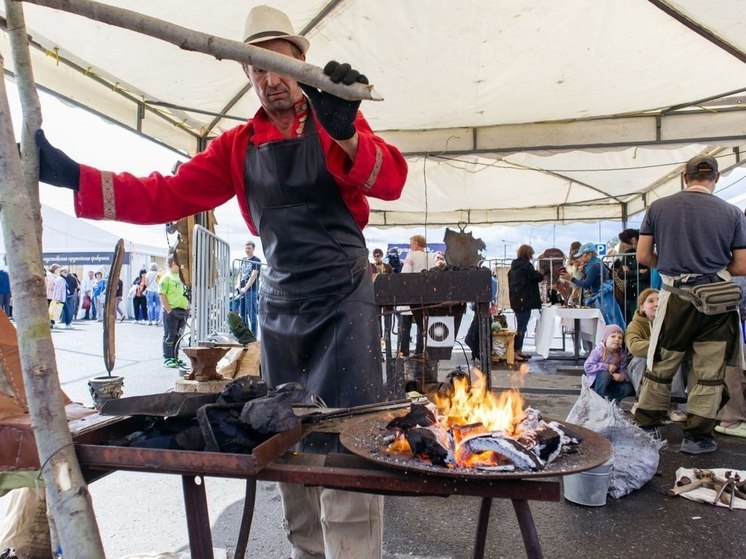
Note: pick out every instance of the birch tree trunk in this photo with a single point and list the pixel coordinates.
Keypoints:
(67, 492)
(220, 48)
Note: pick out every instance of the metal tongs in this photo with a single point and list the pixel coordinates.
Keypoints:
(727, 488)
(338, 413)
(732, 484)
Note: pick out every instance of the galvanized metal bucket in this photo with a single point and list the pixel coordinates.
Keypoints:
(589, 488)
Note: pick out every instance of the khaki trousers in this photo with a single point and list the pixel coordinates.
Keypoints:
(711, 339)
(735, 408)
(323, 523)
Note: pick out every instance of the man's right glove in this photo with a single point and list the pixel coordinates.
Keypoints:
(55, 167)
(336, 115)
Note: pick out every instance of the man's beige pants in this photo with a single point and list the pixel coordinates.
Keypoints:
(324, 523)
(711, 340)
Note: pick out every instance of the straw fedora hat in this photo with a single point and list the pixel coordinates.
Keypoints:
(264, 24)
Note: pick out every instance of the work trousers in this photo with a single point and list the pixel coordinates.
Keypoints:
(681, 380)
(710, 338)
(735, 408)
(323, 523)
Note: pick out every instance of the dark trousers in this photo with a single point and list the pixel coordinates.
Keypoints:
(386, 320)
(140, 305)
(521, 324)
(405, 336)
(173, 327)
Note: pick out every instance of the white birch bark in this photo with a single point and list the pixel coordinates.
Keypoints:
(67, 492)
(191, 40)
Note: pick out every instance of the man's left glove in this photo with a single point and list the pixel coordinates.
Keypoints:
(336, 115)
(55, 167)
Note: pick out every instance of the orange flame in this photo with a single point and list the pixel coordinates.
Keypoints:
(477, 404)
(473, 409)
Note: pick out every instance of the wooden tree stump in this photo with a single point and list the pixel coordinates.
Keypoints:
(204, 361)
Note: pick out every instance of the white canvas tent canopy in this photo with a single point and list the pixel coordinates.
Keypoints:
(509, 112)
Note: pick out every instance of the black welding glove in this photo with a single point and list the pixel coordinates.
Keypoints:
(336, 115)
(55, 167)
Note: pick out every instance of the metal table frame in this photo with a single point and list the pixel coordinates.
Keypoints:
(339, 471)
(335, 470)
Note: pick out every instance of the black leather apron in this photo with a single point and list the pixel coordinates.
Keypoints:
(317, 314)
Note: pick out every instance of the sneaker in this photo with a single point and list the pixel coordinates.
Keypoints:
(171, 363)
(675, 414)
(182, 364)
(697, 445)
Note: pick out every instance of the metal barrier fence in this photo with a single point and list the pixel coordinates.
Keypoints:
(211, 284)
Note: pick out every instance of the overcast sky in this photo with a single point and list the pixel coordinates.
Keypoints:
(91, 140)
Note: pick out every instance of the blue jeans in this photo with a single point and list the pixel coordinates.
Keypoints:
(247, 305)
(607, 387)
(69, 309)
(251, 309)
(154, 305)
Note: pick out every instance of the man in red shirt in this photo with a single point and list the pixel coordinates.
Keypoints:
(302, 173)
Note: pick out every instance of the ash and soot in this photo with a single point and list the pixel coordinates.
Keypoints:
(468, 426)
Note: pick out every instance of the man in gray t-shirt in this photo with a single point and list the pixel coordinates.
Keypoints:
(690, 237)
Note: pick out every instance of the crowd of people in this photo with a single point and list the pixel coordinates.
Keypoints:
(71, 299)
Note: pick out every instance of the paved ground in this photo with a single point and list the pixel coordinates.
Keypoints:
(142, 512)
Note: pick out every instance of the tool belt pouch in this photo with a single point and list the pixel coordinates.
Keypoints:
(716, 298)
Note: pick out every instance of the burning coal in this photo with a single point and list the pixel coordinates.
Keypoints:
(469, 426)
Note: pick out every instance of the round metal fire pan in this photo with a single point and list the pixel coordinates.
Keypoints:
(365, 435)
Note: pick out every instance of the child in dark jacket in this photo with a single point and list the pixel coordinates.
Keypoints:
(606, 366)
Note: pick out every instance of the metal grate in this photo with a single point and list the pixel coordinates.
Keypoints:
(211, 284)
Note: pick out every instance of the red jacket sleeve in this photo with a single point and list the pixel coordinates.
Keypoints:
(379, 170)
(208, 180)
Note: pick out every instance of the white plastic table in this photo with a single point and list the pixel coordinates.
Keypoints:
(587, 323)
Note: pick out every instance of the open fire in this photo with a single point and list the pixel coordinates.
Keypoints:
(469, 426)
